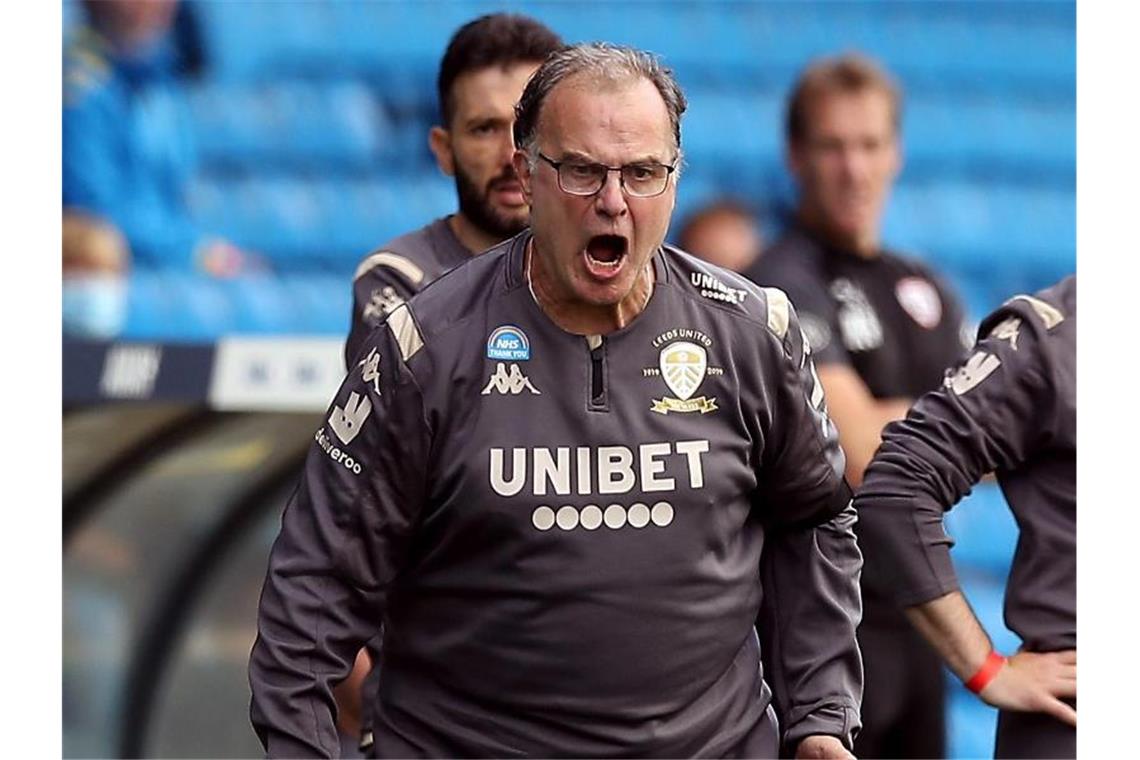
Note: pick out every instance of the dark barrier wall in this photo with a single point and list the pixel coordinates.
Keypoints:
(162, 566)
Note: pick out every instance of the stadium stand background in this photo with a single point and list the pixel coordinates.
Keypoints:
(183, 439)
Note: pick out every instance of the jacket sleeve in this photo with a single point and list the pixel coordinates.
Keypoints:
(808, 618)
(801, 463)
(377, 290)
(811, 561)
(343, 537)
(992, 411)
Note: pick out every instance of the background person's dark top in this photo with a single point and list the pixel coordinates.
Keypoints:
(851, 314)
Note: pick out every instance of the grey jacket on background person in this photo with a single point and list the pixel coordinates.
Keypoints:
(1010, 408)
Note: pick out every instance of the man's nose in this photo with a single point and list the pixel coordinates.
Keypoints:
(610, 200)
(855, 161)
(506, 148)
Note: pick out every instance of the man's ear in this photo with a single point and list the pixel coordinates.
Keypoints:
(521, 164)
(439, 140)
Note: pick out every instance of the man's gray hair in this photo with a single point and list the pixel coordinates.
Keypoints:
(603, 62)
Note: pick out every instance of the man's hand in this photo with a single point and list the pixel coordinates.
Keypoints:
(823, 747)
(1033, 682)
(349, 697)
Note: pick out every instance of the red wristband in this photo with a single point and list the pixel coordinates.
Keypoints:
(986, 673)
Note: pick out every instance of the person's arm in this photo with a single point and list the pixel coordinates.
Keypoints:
(1026, 681)
(811, 589)
(811, 562)
(992, 413)
(344, 536)
(859, 416)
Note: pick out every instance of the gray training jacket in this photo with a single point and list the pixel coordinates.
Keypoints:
(396, 271)
(1011, 408)
(562, 536)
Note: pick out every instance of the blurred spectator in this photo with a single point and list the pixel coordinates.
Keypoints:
(723, 232)
(95, 260)
(92, 246)
(127, 147)
(481, 76)
(882, 330)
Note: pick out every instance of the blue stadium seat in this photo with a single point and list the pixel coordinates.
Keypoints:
(977, 296)
(258, 305)
(1014, 226)
(175, 306)
(194, 308)
(234, 36)
(988, 138)
(371, 213)
(148, 306)
(323, 303)
(733, 128)
(335, 126)
(984, 531)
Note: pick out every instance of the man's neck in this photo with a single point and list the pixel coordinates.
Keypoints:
(586, 319)
(473, 238)
(864, 244)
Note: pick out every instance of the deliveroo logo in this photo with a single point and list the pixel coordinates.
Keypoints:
(346, 422)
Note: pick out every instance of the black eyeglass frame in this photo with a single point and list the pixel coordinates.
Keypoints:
(557, 166)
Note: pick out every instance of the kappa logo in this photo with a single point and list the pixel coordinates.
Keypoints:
(346, 422)
(683, 365)
(512, 382)
(508, 343)
(371, 371)
(1009, 329)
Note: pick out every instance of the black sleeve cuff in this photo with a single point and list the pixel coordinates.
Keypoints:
(840, 721)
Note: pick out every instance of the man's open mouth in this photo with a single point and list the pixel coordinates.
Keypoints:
(605, 253)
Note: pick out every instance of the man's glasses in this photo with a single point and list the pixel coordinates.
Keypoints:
(643, 180)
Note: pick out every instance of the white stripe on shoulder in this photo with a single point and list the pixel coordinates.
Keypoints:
(405, 332)
(777, 311)
(1049, 314)
(388, 259)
